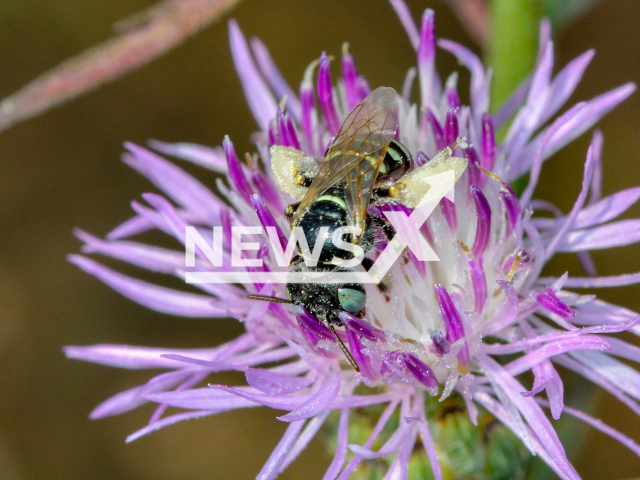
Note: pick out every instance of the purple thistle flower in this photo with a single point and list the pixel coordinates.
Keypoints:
(443, 326)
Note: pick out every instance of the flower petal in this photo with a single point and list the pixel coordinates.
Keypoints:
(599, 425)
(125, 356)
(279, 402)
(616, 234)
(622, 376)
(202, 399)
(165, 422)
(575, 210)
(430, 449)
(271, 469)
(598, 213)
(479, 83)
(382, 422)
(185, 190)
(585, 342)
(500, 413)
(150, 257)
(275, 384)
(207, 157)
(407, 21)
(534, 416)
(565, 82)
(129, 228)
(309, 432)
(160, 299)
(318, 402)
(261, 102)
(272, 75)
(506, 312)
(428, 76)
(341, 447)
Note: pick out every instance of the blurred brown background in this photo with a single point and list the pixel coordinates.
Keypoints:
(62, 170)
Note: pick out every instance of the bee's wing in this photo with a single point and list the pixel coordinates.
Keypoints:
(356, 154)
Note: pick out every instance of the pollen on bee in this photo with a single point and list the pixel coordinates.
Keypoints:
(300, 180)
(393, 192)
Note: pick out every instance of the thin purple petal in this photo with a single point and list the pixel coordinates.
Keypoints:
(235, 170)
(452, 322)
(584, 342)
(436, 128)
(149, 257)
(451, 129)
(479, 84)
(160, 299)
(341, 447)
(483, 221)
(420, 370)
(599, 425)
(350, 77)
(429, 81)
(616, 234)
(565, 83)
(361, 327)
(266, 219)
(488, 143)
(165, 422)
(407, 21)
(506, 312)
(479, 282)
(180, 186)
(325, 95)
(325, 395)
(207, 157)
(272, 468)
(532, 413)
(261, 102)
(272, 75)
(551, 302)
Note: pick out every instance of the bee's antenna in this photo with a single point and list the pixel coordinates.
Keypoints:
(269, 299)
(344, 349)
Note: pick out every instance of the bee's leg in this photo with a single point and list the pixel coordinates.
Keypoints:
(303, 179)
(367, 263)
(386, 190)
(385, 284)
(385, 226)
(291, 210)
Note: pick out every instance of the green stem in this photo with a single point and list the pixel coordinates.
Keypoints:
(513, 44)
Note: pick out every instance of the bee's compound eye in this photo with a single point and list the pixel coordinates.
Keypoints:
(352, 300)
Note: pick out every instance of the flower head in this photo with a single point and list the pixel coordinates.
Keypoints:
(441, 328)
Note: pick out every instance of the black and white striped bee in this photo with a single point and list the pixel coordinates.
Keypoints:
(364, 165)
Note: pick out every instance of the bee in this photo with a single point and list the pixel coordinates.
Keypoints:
(365, 164)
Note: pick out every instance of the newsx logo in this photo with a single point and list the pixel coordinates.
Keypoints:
(407, 229)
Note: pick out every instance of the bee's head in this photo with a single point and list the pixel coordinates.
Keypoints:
(325, 301)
